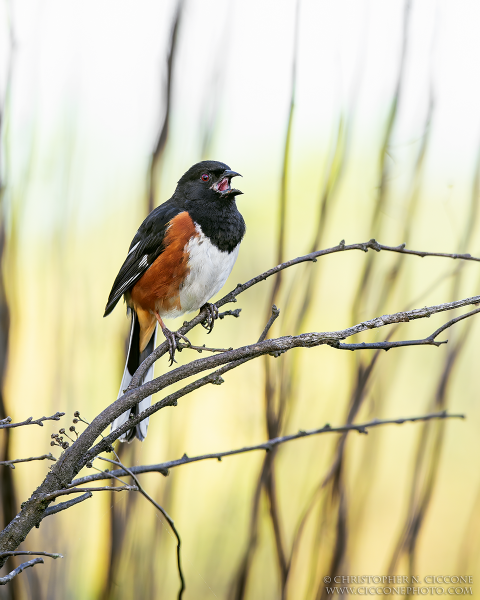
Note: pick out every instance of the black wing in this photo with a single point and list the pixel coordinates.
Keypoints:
(146, 247)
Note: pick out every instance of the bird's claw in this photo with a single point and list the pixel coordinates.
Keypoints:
(172, 338)
(212, 315)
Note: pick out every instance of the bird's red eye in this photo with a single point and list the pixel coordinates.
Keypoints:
(205, 177)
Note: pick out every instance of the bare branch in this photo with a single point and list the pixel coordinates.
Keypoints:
(56, 508)
(7, 423)
(163, 468)
(84, 449)
(311, 257)
(18, 570)
(10, 463)
(101, 475)
(271, 320)
(428, 341)
(129, 488)
(30, 553)
(107, 472)
(341, 247)
(230, 313)
(385, 345)
(200, 349)
(453, 321)
(239, 356)
(402, 250)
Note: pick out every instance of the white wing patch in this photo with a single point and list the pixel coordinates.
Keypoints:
(125, 285)
(141, 264)
(133, 248)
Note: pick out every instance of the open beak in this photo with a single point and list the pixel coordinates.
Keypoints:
(230, 174)
(223, 186)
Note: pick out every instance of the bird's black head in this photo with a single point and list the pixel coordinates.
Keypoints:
(208, 180)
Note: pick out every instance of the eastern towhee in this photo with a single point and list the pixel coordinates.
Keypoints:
(180, 257)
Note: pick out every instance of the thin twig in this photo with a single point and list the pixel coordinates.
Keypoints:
(30, 553)
(7, 422)
(341, 247)
(271, 320)
(230, 313)
(120, 473)
(385, 345)
(452, 322)
(10, 463)
(18, 570)
(108, 473)
(164, 513)
(428, 341)
(163, 468)
(200, 349)
(129, 488)
(56, 508)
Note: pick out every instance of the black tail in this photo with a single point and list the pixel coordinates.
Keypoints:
(134, 360)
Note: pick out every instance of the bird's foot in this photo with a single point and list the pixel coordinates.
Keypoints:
(172, 338)
(212, 315)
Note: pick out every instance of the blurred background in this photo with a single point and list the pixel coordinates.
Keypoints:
(348, 120)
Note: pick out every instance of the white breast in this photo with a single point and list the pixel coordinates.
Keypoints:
(209, 270)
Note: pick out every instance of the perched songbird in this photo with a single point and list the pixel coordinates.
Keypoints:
(180, 257)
